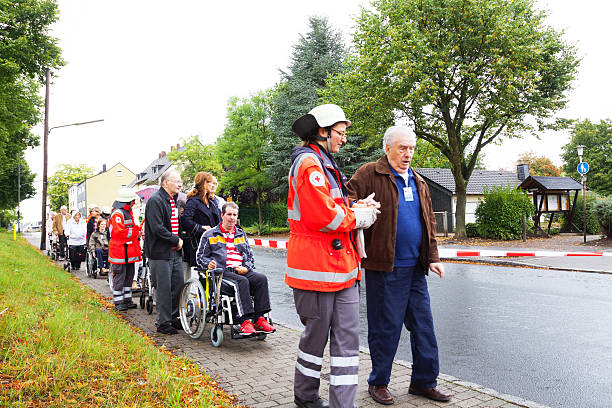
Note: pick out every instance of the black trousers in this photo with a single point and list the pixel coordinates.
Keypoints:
(252, 295)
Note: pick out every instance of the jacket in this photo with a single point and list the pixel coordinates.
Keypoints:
(76, 232)
(195, 215)
(98, 240)
(212, 247)
(321, 254)
(57, 224)
(124, 246)
(377, 177)
(159, 239)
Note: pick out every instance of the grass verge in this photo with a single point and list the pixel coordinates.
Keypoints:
(62, 345)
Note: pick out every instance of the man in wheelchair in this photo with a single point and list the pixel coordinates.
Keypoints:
(226, 246)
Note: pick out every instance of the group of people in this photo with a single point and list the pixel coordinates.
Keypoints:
(382, 220)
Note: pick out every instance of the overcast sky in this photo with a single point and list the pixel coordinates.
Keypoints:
(158, 72)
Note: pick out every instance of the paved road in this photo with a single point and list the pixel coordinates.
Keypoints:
(543, 335)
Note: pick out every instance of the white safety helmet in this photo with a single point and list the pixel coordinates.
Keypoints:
(126, 195)
(106, 210)
(321, 116)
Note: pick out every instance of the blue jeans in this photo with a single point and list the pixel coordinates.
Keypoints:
(394, 299)
(102, 258)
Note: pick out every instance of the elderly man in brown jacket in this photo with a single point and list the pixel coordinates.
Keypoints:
(401, 248)
(59, 223)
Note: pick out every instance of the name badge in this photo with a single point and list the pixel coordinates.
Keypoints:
(408, 194)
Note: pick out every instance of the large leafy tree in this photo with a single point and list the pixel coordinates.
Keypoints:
(463, 73)
(65, 176)
(597, 141)
(16, 183)
(317, 55)
(26, 50)
(540, 165)
(241, 148)
(194, 157)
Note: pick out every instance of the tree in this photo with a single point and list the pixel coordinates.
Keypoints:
(241, 148)
(65, 176)
(597, 139)
(317, 55)
(15, 175)
(194, 157)
(463, 73)
(26, 50)
(540, 165)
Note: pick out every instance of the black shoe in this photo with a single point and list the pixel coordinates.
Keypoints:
(121, 307)
(131, 305)
(318, 403)
(166, 329)
(177, 325)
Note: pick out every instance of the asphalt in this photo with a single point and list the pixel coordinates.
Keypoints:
(260, 373)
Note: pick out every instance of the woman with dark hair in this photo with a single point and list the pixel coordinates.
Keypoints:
(201, 213)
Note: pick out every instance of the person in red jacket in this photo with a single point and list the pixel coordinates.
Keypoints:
(323, 260)
(123, 248)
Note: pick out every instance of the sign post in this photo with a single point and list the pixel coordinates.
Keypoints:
(583, 169)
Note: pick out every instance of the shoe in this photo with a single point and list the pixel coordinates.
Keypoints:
(318, 403)
(430, 393)
(246, 328)
(121, 307)
(262, 325)
(131, 305)
(177, 325)
(166, 329)
(380, 394)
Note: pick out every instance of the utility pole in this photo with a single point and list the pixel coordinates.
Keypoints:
(19, 198)
(43, 227)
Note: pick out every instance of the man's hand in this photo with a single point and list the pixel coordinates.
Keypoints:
(241, 270)
(367, 202)
(205, 227)
(180, 244)
(212, 265)
(437, 268)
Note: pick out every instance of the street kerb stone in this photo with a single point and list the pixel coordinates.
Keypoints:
(260, 373)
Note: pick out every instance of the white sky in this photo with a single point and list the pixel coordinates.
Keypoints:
(157, 73)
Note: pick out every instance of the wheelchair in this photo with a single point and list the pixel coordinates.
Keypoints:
(208, 299)
(92, 265)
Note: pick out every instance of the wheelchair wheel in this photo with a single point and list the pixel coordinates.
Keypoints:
(192, 308)
(216, 335)
(149, 305)
(262, 336)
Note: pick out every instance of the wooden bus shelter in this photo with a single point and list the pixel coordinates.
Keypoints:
(552, 195)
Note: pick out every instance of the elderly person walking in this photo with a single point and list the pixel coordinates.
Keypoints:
(59, 225)
(401, 248)
(76, 231)
(123, 248)
(163, 249)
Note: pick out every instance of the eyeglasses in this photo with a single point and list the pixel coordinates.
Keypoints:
(341, 134)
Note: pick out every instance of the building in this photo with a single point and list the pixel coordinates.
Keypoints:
(443, 193)
(100, 189)
(151, 174)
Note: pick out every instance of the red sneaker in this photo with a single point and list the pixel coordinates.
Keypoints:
(263, 325)
(247, 328)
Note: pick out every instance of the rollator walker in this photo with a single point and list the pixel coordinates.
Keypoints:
(208, 299)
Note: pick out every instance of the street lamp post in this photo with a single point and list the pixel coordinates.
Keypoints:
(580, 150)
(47, 131)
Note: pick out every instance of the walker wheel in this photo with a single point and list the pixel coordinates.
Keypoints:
(216, 335)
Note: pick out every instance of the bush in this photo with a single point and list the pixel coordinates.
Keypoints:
(471, 230)
(500, 214)
(602, 210)
(272, 215)
(593, 226)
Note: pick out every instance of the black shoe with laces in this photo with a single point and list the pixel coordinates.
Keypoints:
(318, 403)
(121, 307)
(166, 329)
(131, 305)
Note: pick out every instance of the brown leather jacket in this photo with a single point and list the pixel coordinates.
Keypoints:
(377, 177)
(57, 223)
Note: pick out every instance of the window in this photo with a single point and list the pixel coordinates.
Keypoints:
(119, 173)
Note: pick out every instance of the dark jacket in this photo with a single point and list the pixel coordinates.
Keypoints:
(377, 177)
(159, 240)
(212, 247)
(195, 215)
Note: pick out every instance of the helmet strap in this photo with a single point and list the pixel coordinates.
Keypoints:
(329, 140)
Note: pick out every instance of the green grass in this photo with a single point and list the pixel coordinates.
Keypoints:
(62, 345)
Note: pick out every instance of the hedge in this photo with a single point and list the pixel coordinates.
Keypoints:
(500, 214)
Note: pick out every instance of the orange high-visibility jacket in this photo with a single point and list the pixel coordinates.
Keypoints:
(123, 246)
(318, 215)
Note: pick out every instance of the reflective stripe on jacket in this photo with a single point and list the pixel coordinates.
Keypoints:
(124, 246)
(318, 215)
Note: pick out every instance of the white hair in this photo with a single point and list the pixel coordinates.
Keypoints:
(390, 133)
(167, 174)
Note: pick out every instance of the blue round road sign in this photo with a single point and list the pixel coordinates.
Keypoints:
(583, 168)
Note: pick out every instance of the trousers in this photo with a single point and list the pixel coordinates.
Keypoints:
(102, 257)
(123, 275)
(394, 299)
(333, 315)
(168, 275)
(251, 284)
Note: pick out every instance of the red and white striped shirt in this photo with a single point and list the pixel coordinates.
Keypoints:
(234, 258)
(174, 218)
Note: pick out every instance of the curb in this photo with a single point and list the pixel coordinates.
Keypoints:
(518, 264)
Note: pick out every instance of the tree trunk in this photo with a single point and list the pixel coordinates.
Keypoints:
(259, 223)
(460, 191)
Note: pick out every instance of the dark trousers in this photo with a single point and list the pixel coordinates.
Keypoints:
(102, 258)
(168, 274)
(76, 253)
(252, 295)
(123, 275)
(396, 298)
(63, 244)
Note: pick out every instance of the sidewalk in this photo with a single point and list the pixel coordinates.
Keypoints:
(260, 373)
